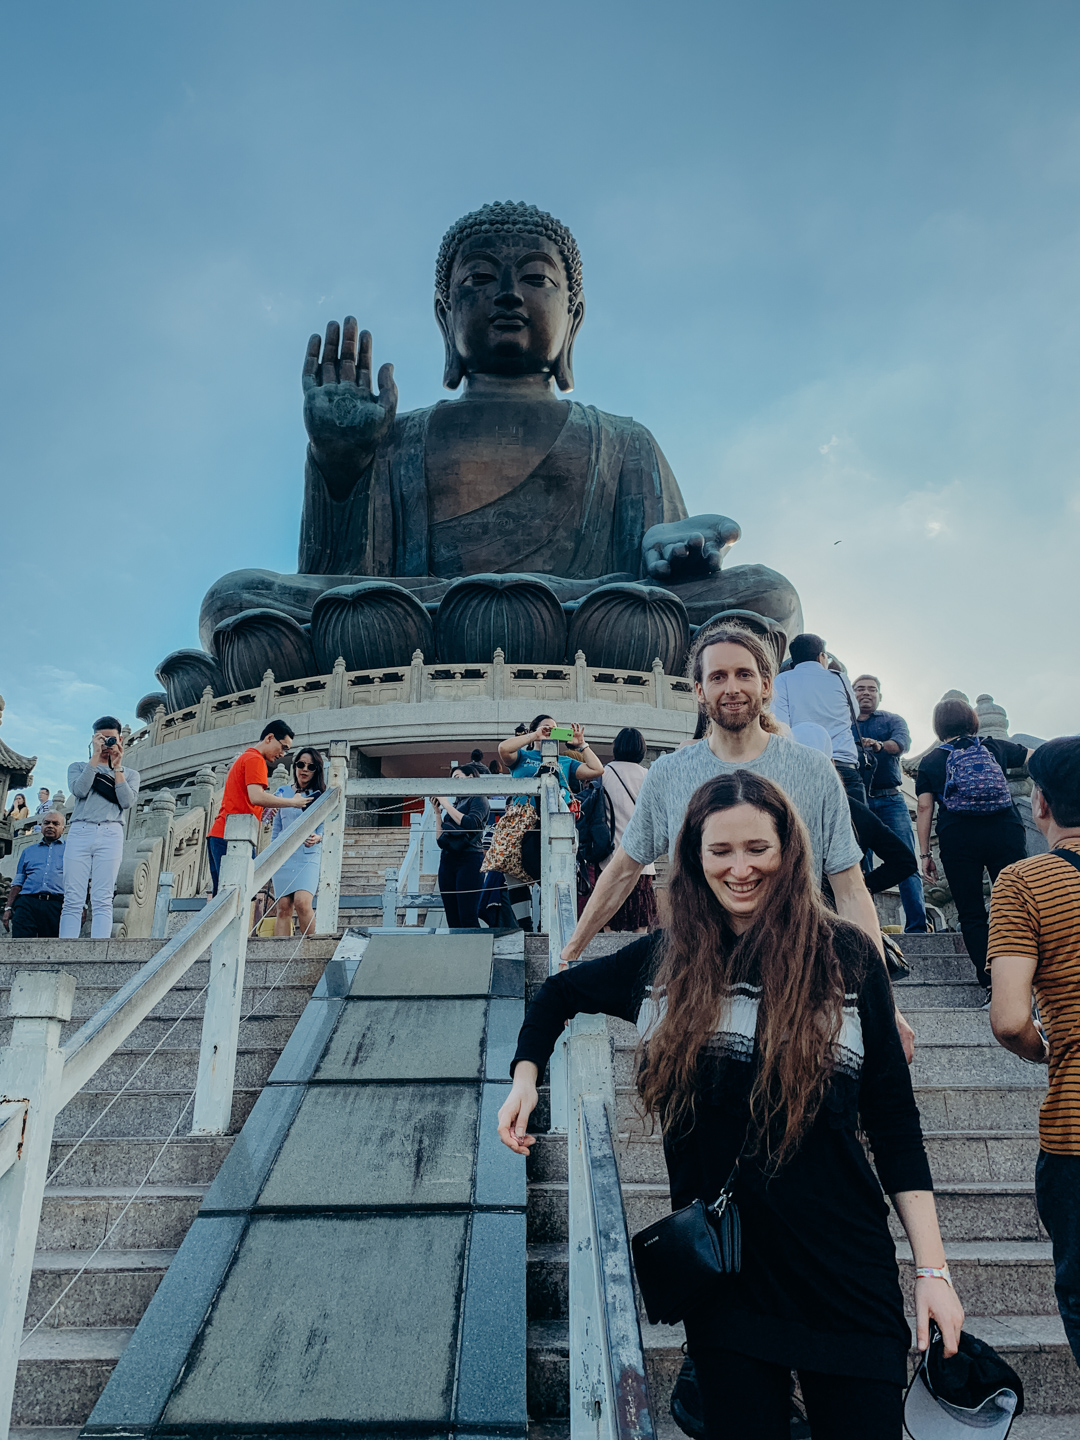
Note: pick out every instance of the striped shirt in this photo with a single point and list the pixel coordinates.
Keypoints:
(1035, 912)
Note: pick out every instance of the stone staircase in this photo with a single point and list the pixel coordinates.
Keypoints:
(979, 1107)
(63, 1367)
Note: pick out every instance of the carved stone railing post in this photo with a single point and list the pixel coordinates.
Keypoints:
(581, 676)
(333, 845)
(228, 956)
(659, 682)
(335, 691)
(498, 673)
(416, 677)
(157, 725)
(160, 928)
(202, 720)
(264, 702)
(31, 1069)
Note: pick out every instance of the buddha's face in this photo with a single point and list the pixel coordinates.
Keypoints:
(508, 312)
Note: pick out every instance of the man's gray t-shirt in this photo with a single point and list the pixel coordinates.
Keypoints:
(806, 776)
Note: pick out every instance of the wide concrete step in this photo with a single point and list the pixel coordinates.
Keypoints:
(173, 1068)
(262, 1029)
(972, 1155)
(111, 974)
(967, 1210)
(941, 1061)
(62, 1372)
(78, 1217)
(142, 1112)
(183, 999)
(1033, 1344)
(991, 1277)
(114, 1289)
(923, 994)
(123, 1160)
(979, 1107)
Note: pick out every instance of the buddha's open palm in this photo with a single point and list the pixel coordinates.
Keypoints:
(345, 418)
(688, 549)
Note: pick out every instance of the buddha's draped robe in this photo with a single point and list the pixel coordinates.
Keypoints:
(581, 513)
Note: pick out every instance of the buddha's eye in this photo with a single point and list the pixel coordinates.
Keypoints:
(479, 277)
(538, 280)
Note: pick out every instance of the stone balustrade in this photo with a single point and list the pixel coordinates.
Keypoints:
(419, 683)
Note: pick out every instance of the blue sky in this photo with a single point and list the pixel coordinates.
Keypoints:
(830, 259)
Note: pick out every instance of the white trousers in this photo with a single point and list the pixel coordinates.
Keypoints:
(91, 857)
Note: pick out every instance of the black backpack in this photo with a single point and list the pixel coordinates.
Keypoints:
(595, 824)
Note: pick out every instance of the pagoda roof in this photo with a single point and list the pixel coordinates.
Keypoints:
(20, 768)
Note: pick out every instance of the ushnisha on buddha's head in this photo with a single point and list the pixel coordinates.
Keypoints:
(508, 296)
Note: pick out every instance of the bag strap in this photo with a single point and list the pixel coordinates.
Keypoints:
(1070, 855)
(847, 697)
(622, 782)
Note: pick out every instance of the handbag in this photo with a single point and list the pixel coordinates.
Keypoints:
(504, 852)
(679, 1257)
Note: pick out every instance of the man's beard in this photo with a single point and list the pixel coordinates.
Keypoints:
(742, 721)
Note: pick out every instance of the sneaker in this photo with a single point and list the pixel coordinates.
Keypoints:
(686, 1402)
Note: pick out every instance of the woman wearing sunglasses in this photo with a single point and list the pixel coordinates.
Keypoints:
(296, 882)
(769, 1048)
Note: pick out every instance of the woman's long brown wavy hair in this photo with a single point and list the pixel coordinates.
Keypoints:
(788, 951)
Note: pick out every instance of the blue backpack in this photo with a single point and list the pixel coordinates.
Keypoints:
(975, 783)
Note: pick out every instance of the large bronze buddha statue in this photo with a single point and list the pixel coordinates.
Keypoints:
(507, 517)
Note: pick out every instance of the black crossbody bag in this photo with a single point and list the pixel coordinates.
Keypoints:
(682, 1255)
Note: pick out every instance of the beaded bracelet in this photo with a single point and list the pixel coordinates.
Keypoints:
(928, 1272)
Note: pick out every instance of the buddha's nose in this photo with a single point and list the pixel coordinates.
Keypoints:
(509, 290)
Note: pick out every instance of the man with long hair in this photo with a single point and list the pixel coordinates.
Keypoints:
(732, 673)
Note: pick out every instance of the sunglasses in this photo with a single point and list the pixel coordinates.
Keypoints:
(303, 765)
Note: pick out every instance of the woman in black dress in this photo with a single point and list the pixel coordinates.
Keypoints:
(460, 831)
(768, 1033)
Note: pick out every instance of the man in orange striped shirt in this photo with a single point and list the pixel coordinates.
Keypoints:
(1035, 946)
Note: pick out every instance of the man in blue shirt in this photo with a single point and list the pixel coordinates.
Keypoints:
(886, 737)
(812, 693)
(37, 893)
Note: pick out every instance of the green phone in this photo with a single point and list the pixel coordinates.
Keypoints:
(561, 732)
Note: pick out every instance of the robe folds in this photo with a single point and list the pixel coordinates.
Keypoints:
(581, 513)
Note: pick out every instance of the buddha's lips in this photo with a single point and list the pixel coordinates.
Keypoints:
(509, 322)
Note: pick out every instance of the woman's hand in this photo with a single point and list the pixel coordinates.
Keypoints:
(517, 1108)
(936, 1300)
(313, 840)
(929, 869)
(578, 742)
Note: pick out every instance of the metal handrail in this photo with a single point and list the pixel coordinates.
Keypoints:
(407, 787)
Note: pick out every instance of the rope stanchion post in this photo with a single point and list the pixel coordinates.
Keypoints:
(31, 1070)
(333, 845)
(228, 955)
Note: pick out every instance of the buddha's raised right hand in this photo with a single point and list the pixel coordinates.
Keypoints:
(345, 418)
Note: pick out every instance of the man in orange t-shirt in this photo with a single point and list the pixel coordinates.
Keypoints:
(246, 792)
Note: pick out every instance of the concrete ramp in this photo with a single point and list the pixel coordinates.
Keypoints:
(358, 1266)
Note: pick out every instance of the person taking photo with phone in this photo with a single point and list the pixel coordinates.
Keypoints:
(297, 880)
(578, 766)
(103, 791)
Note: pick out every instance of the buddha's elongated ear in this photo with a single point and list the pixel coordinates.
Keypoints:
(563, 369)
(454, 368)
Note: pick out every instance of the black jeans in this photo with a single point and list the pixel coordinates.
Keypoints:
(750, 1399)
(460, 883)
(36, 917)
(1057, 1194)
(897, 859)
(852, 782)
(970, 845)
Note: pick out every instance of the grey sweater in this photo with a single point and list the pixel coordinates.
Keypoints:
(92, 806)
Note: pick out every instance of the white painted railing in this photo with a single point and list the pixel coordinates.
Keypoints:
(609, 1397)
(38, 1075)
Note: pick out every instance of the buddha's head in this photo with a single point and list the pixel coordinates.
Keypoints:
(508, 295)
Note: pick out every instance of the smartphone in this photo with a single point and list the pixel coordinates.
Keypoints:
(561, 732)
